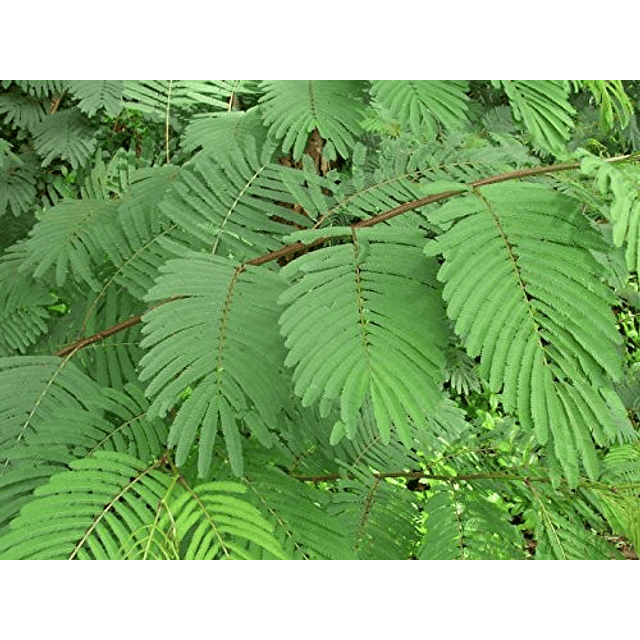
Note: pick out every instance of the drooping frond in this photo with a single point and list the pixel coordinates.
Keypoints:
(445, 425)
(611, 98)
(366, 448)
(294, 108)
(219, 343)
(215, 521)
(113, 506)
(228, 200)
(523, 289)
(364, 319)
(42, 88)
(420, 105)
(21, 111)
(131, 240)
(370, 192)
(17, 182)
(210, 131)
(117, 218)
(379, 517)
(159, 98)
(619, 499)
(110, 180)
(299, 512)
(459, 160)
(544, 109)
(622, 184)
(31, 388)
(405, 170)
(98, 94)
(67, 135)
(467, 523)
(68, 237)
(116, 422)
(24, 312)
(566, 529)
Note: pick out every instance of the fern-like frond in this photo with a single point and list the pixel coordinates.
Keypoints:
(215, 521)
(619, 493)
(543, 108)
(114, 219)
(466, 523)
(524, 291)
(21, 111)
(378, 516)
(294, 108)
(210, 130)
(116, 422)
(420, 105)
(24, 311)
(31, 388)
(43, 88)
(68, 237)
(159, 98)
(220, 341)
(403, 171)
(365, 447)
(299, 512)
(445, 425)
(113, 506)
(98, 94)
(114, 360)
(67, 135)
(132, 239)
(566, 529)
(364, 319)
(611, 98)
(17, 183)
(228, 200)
(622, 184)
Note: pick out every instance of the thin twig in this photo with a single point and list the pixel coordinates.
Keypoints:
(106, 333)
(330, 477)
(301, 246)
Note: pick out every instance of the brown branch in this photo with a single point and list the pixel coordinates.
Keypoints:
(387, 215)
(102, 335)
(55, 103)
(330, 477)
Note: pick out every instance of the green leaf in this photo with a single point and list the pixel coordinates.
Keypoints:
(524, 291)
(221, 340)
(294, 108)
(372, 327)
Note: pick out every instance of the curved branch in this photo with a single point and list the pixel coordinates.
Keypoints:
(369, 222)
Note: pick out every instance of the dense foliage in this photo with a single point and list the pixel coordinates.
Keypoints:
(319, 319)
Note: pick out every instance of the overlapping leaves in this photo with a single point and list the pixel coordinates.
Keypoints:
(218, 346)
(294, 108)
(524, 291)
(622, 184)
(422, 104)
(543, 108)
(232, 199)
(113, 506)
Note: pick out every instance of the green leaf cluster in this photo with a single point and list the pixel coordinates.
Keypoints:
(317, 320)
